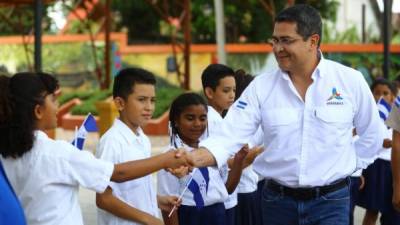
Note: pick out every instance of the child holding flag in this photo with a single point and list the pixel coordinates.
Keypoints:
(376, 196)
(88, 125)
(203, 201)
(46, 174)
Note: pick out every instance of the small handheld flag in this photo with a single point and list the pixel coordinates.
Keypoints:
(198, 185)
(397, 102)
(88, 125)
(384, 108)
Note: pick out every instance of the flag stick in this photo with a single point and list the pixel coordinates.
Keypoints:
(76, 137)
(184, 190)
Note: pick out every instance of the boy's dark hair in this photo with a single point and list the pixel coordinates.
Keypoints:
(19, 96)
(178, 106)
(213, 74)
(307, 19)
(242, 81)
(382, 81)
(127, 78)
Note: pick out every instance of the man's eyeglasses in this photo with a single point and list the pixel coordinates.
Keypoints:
(282, 41)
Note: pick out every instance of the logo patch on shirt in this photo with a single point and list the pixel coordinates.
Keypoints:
(335, 98)
(241, 104)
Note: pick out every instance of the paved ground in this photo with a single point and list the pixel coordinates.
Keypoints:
(87, 197)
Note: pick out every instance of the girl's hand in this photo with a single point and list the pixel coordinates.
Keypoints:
(362, 182)
(166, 203)
(387, 143)
(179, 172)
(241, 155)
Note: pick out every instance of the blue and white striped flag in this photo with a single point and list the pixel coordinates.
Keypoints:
(198, 185)
(384, 108)
(397, 102)
(88, 125)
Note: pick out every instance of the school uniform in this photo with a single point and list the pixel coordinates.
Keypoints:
(10, 209)
(213, 212)
(120, 144)
(378, 190)
(393, 122)
(309, 142)
(47, 178)
(214, 119)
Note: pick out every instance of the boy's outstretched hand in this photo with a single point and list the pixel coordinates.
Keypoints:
(166, 203)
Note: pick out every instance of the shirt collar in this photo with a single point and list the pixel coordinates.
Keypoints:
(320, 69)
(40, 134)
(126, 132)
(180, 144)
(212, 113)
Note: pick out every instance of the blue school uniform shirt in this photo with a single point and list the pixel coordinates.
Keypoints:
(10, 209)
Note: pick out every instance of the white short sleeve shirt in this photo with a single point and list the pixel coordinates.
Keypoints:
(47, 179)
(120, 144)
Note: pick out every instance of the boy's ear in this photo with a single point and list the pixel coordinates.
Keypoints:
(119, 103)
(209, 92)
(38, 112)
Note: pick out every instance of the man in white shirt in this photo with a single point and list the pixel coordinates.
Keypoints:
(307, 109)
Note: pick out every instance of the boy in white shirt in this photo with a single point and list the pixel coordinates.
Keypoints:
(219, 87)
(133, 202)
(46, 174)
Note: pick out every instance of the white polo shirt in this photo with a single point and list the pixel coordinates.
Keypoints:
(119, 144)
(309, 143)
(171, 185)
(47, 179)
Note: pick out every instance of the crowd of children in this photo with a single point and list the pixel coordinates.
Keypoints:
(42, 176)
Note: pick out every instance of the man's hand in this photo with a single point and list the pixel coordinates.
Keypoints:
(166, 203)
(239, 157)
(176, 159)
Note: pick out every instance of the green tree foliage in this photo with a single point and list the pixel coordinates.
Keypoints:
(17, 20)
(140, 20)
(245, 20)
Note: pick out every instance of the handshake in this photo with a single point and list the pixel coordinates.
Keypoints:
(179, 162)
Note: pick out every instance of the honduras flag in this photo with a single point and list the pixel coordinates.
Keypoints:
(198, 185)
(397, 102)
(88, 125)
(384, 108)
